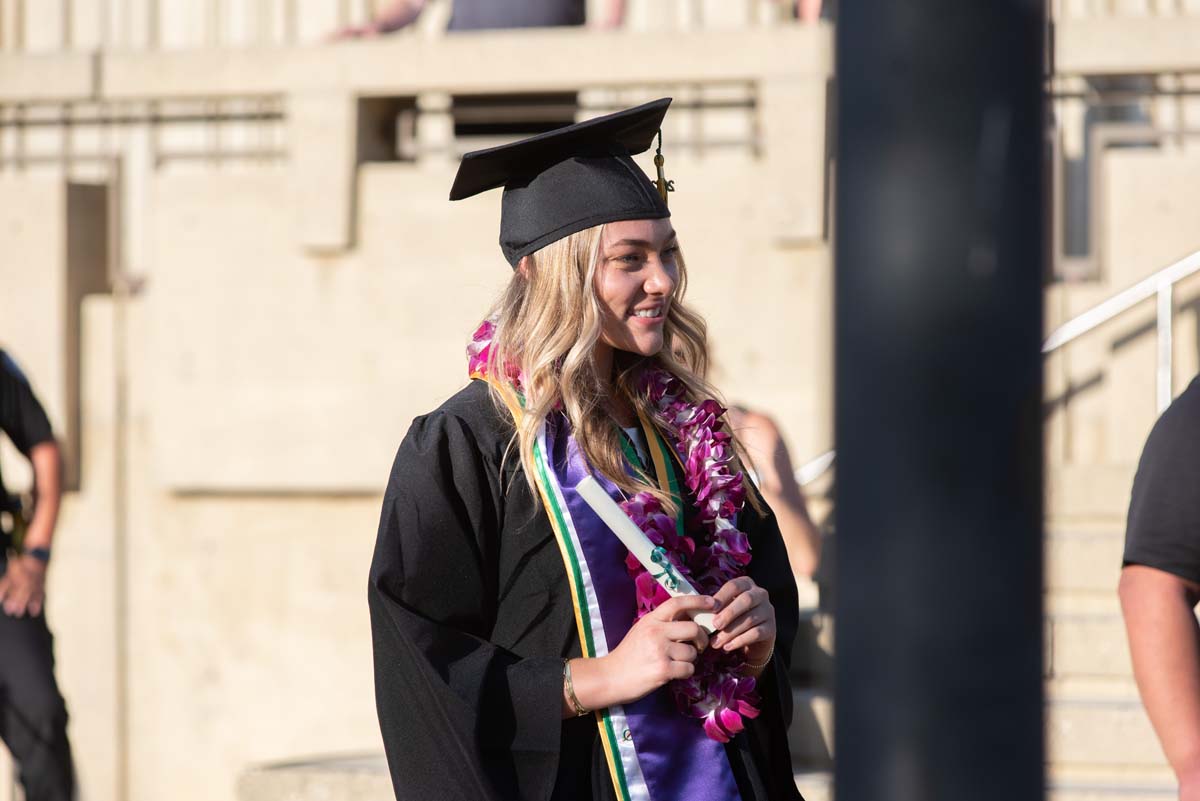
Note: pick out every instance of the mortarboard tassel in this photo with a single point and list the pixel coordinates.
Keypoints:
(664, 186)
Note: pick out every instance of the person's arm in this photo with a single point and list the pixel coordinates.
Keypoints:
(808, 11)
(22, 418)
(661, 646)
(777, 482)
(616, 14)
(23, 585)
(1164, 643)
(47, 494)
(396, 15)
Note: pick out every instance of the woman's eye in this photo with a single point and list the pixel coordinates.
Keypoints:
(671, 251)
(629, 258)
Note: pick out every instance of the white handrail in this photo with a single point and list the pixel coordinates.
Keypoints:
(1160, 284)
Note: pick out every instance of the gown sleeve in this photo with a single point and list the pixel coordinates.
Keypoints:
(461, 718)
(772, 571)
(767, 743)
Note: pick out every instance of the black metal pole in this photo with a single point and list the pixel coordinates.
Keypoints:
(940, 224)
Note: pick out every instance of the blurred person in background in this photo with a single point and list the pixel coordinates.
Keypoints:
(1160, 585)
(478, 15)
(810, 11)
(521, 652)
(775, 476)
(33, 715)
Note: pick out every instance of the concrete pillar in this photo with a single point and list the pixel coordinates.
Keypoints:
(322, 138)
(940, 253)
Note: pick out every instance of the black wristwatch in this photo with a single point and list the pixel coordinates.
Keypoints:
(40, 554)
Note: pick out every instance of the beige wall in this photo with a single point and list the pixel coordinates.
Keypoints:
(54, 246)
(271, 368)
(299, 352)
(298, 310)
(1152, 203)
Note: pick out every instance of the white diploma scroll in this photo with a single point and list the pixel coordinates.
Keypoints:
(639, 545)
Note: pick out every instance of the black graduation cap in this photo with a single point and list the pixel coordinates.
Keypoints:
(563, 181)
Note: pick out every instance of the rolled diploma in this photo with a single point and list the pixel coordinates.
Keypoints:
(636, 541)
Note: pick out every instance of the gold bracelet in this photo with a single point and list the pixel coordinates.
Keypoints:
(580, 710)
(762, 664)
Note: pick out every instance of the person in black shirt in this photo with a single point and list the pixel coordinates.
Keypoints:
(1160, 585)
(33, 716)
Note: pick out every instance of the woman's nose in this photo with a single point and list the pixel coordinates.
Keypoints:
(661, 279)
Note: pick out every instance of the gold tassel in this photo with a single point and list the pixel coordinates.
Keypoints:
(664, 186)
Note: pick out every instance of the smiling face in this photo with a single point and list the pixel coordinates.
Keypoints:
(635, 279)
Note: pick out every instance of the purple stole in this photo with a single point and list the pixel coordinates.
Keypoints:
(654, 752)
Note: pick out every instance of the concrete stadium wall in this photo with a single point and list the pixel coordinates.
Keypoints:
(268, 387)
(1101, 388)
(269, 381)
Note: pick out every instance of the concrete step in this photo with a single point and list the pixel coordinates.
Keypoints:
(1088, 491)
(1095, 604)
(356, 777)
(1096, 776)
(1086, 645)
(1084, 560)
(1111, 791)
(364, 777)
(1084, 688)
(816, 785)
(1100, 731)
(810, 736)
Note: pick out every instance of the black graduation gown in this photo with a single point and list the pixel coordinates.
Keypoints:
(471, 617)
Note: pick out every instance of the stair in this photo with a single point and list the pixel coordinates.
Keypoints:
(816, 785)
(1100, 745)
(810, 737)
(357, 777)
(1111, 791)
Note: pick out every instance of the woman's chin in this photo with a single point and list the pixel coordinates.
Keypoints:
(639, 345)
(648, 348)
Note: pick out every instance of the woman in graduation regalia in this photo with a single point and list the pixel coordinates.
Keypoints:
(521, 652)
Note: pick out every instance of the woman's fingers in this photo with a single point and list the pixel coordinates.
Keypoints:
(747, 598)
(683, 631)
(681, 670)
(733, 588)
(756, 634)
(680, 605)
(682, 652)
(755, 617)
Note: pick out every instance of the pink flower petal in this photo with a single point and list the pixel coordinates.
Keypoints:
(714, 731)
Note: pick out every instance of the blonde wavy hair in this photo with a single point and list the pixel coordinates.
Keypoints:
(548, 321)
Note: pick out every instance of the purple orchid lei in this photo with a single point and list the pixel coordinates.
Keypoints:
(718, 693)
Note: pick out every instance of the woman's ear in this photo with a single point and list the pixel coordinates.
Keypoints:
(523, 267)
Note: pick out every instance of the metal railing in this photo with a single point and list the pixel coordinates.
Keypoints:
(1161, 285)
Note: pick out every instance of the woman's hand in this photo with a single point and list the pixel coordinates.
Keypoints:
(746, 619)
(660, 647)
